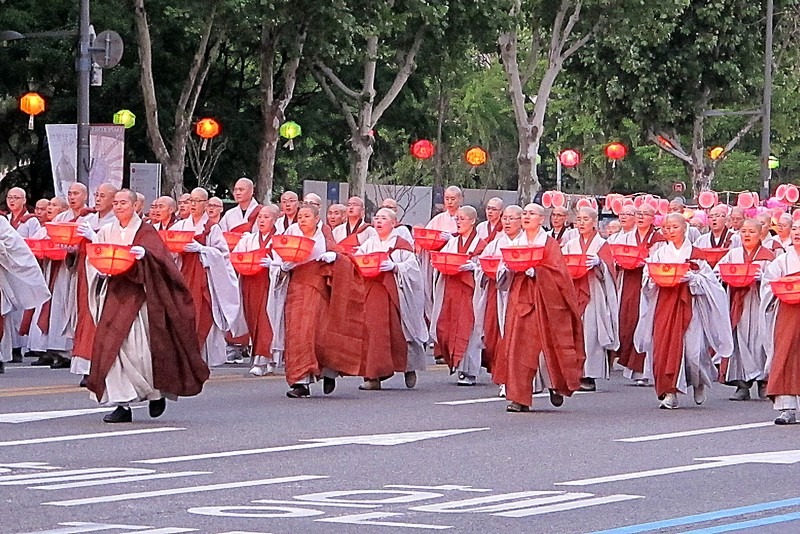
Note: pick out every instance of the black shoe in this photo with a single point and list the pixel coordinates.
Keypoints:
(157, 407)
(120, 415)
(16, 355)
(298, 391)
(588, 384)
(556, 398)
(411, 379)
(515, 407)
(2, 368)
(328, 385)
(84, 381)
(60, 363)
(42, 361)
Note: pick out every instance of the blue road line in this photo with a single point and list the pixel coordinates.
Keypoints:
(785, 518)
(700, 518)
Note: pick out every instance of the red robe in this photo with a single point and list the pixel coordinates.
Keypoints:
(255, 291)
(195, 276)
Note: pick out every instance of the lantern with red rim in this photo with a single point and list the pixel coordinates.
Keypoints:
(423, 149)
(738, 274)
(569, 158)
(663, 206)
(744, 200)
(520, 258)
(628, 256)
(207, 129)
(557, 199)
(428, 238)
(547, 199)
(293, 248)
(176, 240)
(489, 265)
(616, 151)
(64, 233)
(713, 255)
(33, 104)
(476, 156)
(232, 239)
(109, 258)
(248, 263)
(792, 194)
(707, 199)
(667, 274)
(448, 263)
(787, 289)
(576, 264)
(780, 193)
(45, 249)
(369, 265)
(350, 243)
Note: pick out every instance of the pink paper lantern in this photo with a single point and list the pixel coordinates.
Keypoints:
(547, 199)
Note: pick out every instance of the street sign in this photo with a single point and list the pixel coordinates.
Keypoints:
(146, 179)
(107, 49)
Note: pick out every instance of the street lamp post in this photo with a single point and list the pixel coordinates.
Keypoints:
(84, 68)
(767, 104)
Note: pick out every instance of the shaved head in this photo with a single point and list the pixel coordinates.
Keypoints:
(536, 208)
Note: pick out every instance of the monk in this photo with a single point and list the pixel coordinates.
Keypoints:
(629, 285)
(324, 315)
(396, 332)
(559, 229)
(289, 204)
(184, 206)
(767, 239)
(627, 223)
(242, 217)
(401, 230)
(162, 213)
(452, 328)
(680, 326)
(493, 302)
(677, 205)
(492, 227)
(335, 215)
(26, 224)
(736, 218)
(597, 298)
(214, 209)
(747, 363)
(542, 328)
(146, 345)
(256, 290)
(719, 235)
(40, 210)
(313, 199)
(782, 335)
(784, 228)
(139, 206)
(22, 286)
(445, 222)
(355, 231)
(612, 228)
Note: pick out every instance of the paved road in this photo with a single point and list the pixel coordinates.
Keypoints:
(243, 458)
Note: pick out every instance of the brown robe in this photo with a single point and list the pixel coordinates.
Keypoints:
(543, 317)
(178, 368)
(255, 292)
(784, 374)
(195, 276)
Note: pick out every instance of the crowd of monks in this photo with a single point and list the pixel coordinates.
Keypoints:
(152, 333)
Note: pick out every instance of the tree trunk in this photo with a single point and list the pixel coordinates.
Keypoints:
(266, 162)
(361, 152)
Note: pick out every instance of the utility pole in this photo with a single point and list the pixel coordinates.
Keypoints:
(767, 105)
(84, 69)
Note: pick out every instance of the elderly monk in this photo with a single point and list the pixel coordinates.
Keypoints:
(26, 224)
(679, 324)
(396, 332)
(184, 206)
(492, 227)
(212, 281)
(22, 286)
(139, 206)
(784, 228)
(559, 229)
(629, 286)
(40, 210)
(313, 199)
(677, 205)
(324, 315)
(492, 302)
(336, 214)
(400, 230)
(256, 292)
(542, 331)
(445, 222)
(146, 345)
(458, 342)
(613, 227)
(767, 239)
(354, 232)
(162, 213)
(736, 218)
(627, 223)
(84, 326)
(214, 209)
(748, 361)
(289, 205)
(241, 218)
(597, 298)
(719, 235)
(782, 335)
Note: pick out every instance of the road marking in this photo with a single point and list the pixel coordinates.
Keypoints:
(544, 395)
(120, 480)
(167, 530)
(444, 487)
(31, 465)
(374, 439)
(28, 417)
(76, 527)
(777, 457)
(698, 432)
(562, 507)
(367, 519)
(701, 518)
(78, 437)
(182, 491)
(317, 503)
(753, 523)
(73, 474)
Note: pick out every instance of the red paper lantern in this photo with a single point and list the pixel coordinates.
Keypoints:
(64, 233)
(707, 199)
(489, 264)
(628, 256)
(520, 258)
(428, 239)
(569, 158)
(476, 156)
(176, 240)
(369, 265)
(739, 274)
(615, 151)
(576, 264)
(32, 104)
(248, 263)
(109, 258)
(713, 255)
(448, 263)
(293, 248)
(422, 149)
(667, 274)
(787, 289)
(232, 239)
(207, 129)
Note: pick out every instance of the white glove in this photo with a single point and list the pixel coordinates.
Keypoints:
(592, 261)
(531, 272)
(288, 266)
(86, 231)
(446, 236)
(265, 262)
(328, 257)
(72, 249)
(758, 276)
(193, 246)
(688, 277)
(467, 267)
(387, 265)
(138, 252)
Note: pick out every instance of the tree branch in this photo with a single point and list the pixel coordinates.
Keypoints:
(673, 147)
(400, 79)
(571, 22)
(199, 64)
(738, 137)
(348, 114)
(582, 41)
(339, 84)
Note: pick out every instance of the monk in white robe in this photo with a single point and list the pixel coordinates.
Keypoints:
(454, 303)
(678, 325)
(597, 298)
(289, 204)
(336, 214)
(146, 347)
(40, 210)
(782, 335)
(560, 230)
(784, 228)
(400, 230)
(677, 205)
(22, 285)
(162, 213)
(396, 332)
(242, 217)
(492, 227)
(748, 361)
(445, 222)
(627, 223)
(212, 281)
(719, 235)
(354, 232)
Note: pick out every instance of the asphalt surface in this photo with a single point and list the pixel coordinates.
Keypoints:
(467, 467)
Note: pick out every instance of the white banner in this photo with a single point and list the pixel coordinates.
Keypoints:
(107, 156)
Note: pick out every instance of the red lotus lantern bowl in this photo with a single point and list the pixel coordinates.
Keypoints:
(109, 258)
(232, 239)
(667, 274)
(428, 239)
(489, 264)
(176, 240)
(46, 249)
(293, 248)
(628, 256)
(369, 265)
(521, 258)
(64, 233)
(576, 264)
(713, 255)
(787, 289)
(248, 263)
(738, 274)
(448, 263)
